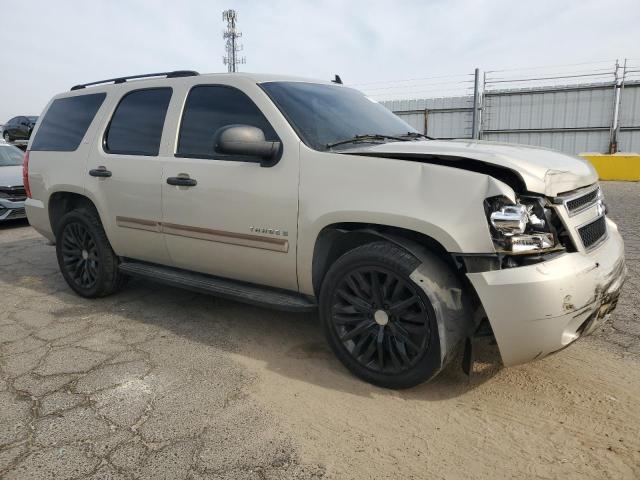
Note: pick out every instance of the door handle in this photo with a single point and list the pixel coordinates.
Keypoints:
(182, 181)
(101, 171)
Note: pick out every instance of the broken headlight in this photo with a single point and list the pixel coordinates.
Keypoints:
(522, 227)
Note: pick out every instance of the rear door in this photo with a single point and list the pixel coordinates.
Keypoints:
(240, 219)
(124, 172)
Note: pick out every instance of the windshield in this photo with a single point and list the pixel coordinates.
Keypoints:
(10, 156)
(33, 119)
(326, 114)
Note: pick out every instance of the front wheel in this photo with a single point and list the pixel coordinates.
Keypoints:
(86, 259)
(377, 320)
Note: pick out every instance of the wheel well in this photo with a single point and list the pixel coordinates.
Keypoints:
(61, 203)
(337, 239)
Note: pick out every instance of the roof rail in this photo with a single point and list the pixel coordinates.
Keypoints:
(174, 74)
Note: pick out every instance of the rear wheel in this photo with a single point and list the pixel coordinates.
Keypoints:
(86, 259)
(377, 320)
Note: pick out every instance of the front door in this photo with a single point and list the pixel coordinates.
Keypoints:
(238, 220)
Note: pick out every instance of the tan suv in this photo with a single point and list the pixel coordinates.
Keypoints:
(297, 195)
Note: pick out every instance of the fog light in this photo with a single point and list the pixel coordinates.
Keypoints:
(527, 243)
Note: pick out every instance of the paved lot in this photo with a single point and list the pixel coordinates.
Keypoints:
(160, 383)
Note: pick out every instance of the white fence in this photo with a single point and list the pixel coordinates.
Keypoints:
(569, 119)
(437, 117)
(629, 118)
(600, 112)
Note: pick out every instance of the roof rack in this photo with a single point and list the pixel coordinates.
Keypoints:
(174, 74)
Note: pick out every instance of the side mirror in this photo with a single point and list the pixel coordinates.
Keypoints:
(246, 140)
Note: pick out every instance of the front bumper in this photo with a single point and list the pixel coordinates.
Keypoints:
(541, 308)
(11, 210)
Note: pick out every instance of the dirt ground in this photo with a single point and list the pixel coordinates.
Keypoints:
(159, 383)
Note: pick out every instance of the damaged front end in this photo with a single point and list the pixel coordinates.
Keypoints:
(537, 309)
(605, 300)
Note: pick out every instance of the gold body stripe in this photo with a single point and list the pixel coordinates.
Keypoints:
(219, 236)
(138, 224)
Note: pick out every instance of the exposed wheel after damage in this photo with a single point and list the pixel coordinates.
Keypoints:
(379, 322)
(86, 260)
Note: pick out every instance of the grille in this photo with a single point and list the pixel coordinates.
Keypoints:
(592, 233)
(13, 194)
(16, 213)
(577, 204)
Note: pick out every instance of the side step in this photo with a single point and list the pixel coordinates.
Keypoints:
(220, 287)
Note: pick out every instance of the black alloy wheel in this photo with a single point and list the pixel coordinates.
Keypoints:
(80, 255)
(380, 323)
(381, 319)
(87, 262)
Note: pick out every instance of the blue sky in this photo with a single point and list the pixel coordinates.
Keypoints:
(48, 46)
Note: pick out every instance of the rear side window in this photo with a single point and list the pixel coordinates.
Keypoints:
(211, 107)
(66, 122)
(136, 125)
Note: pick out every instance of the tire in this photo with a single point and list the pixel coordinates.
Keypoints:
(7, 137)
(390, 339)
(85, 257)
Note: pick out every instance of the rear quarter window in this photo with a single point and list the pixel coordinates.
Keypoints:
(66, 122)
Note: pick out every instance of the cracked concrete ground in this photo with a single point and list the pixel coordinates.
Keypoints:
(159, 383)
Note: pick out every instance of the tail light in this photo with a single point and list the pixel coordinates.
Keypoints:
(25, 174)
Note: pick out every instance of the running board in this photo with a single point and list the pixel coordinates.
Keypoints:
(220, 287)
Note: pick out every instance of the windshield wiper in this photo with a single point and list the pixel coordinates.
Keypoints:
(366, 137)
(417, 135)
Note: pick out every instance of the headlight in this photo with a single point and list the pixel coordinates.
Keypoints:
(510, 219)
(521, 228)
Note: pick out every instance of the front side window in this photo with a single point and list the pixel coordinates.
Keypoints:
(325, 114)
(211, 107)
(136, 125)
(66, 122)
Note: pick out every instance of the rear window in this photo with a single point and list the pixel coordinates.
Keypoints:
(66, 122)
(136, 126)
(10, 156)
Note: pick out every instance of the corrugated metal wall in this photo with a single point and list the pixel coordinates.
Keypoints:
(568, 142)
(572, 120)
(629, 118)
(448, 117)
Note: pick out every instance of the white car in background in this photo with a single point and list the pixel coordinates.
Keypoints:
(12, 194)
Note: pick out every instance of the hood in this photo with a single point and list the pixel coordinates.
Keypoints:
(541, 170)
(11, 176)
